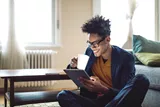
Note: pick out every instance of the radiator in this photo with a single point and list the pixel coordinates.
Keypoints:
(40, 58)
(37, 59)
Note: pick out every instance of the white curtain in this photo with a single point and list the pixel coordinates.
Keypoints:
(128, 18)
(13, 52)
(144, 19)
(132, 6)
(119, 23)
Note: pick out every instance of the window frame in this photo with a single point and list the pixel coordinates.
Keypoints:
(56, 39)
(56, 42)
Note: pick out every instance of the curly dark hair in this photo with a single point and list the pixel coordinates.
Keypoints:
(97, 25)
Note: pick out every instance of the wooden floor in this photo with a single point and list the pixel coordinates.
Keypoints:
(1, 99)
(51, 104)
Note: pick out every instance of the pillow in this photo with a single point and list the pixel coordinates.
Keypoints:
(141, 44)
(149, 59)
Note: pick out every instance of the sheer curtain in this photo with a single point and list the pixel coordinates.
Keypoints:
(128, 18)
(119, 23)
(13, 52)
(131, 7)
(143, 21)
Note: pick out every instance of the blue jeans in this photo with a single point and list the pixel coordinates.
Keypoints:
(132, 95)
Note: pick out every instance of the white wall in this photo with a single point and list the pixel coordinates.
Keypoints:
(73, 14)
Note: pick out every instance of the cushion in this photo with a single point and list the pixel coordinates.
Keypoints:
(141, 44)
(149, 59)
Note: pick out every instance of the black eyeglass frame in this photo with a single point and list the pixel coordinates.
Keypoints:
(96, 43)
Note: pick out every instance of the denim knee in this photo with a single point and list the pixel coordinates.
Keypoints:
(141, 79)
(62, 94)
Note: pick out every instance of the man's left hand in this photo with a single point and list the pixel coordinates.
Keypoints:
(94, 84)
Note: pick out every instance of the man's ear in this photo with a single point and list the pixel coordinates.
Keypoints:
(107, 39)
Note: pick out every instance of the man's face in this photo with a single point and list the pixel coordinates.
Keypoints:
(98, 44)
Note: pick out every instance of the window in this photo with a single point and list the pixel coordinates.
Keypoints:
(116, 10)
(119, 23)
(35, 21)
(3, 19)
(144, 19)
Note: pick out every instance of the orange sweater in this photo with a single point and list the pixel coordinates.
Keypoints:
(103, 71)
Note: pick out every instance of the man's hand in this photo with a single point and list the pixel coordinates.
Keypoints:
(73, 63)
(94, 84)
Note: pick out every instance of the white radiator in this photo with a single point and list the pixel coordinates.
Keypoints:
(40, 58)
(37, 59)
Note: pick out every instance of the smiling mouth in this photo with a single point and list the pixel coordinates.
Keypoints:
(96, 51)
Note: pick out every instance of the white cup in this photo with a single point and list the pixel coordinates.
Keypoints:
(82, 61)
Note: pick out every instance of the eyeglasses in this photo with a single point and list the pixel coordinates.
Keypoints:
(95, 44)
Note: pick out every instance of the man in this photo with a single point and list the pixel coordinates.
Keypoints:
(112, 73)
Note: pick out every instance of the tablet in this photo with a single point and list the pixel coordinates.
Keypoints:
(74, 74)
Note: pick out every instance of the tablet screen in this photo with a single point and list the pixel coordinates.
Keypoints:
(74, 74)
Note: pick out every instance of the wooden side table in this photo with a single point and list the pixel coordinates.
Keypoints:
(21, 98)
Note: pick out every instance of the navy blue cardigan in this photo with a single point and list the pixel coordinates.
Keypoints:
(122, 68)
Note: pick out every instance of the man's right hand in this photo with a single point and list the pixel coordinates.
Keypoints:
(73, 63)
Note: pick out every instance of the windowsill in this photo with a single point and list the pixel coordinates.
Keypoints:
(42, 47)
(54, 47)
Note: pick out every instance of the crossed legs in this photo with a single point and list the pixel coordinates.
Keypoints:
(131, 95)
